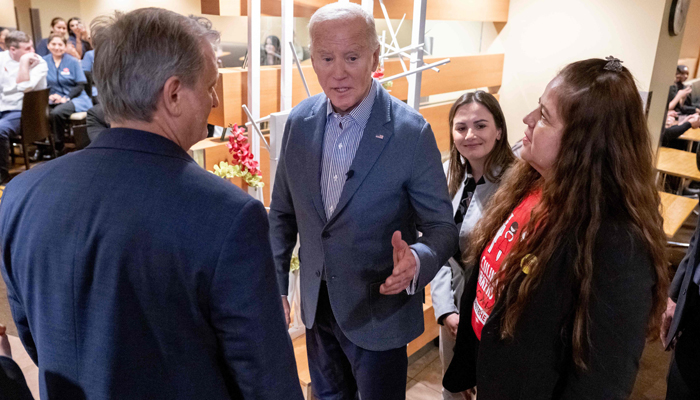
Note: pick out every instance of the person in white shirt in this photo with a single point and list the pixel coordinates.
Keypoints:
(21, 71)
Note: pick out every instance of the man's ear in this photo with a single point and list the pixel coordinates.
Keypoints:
(172, 96)
(375, 59)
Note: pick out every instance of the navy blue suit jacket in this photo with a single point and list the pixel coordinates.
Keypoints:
(397, 184)
(682, 287)
(133, 273)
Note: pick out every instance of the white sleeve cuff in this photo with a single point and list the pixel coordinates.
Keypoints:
(411, 289)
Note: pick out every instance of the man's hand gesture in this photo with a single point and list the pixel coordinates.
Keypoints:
(404, 267)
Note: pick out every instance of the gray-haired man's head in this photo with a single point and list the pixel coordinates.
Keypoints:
(137, 53)
(344, 53)
(345, 12)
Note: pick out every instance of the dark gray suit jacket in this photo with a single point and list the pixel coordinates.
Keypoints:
(397, 184)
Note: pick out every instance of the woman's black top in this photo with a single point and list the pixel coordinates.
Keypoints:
(537, 362)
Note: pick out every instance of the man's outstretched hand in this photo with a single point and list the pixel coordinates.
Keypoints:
(404, 267)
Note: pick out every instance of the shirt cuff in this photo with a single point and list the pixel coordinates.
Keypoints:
(411, 289)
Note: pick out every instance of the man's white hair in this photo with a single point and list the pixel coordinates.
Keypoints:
(345, 11)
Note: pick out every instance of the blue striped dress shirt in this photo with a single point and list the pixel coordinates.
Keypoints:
(340, 142)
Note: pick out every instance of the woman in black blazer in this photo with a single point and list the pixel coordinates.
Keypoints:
(571, 270)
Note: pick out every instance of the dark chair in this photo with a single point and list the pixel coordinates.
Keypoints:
(80, 133)
(35, 128)
(88, 87)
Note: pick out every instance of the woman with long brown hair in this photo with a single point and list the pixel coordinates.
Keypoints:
(571, 267)
(479, 156)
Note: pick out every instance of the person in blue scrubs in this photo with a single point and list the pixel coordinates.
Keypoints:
(67, 83)
(58, 26)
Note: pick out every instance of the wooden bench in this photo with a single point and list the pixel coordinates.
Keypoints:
(677, 163)
(675, 210)
(431, 332)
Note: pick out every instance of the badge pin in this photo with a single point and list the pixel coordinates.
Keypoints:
(528, 262)
(380, 136)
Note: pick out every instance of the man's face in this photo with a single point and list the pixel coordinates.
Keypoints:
(17, 52)
(343, 62)
(202, 97)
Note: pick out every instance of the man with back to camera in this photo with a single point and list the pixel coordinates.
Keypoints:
(21, 71)
(359, 175)
(139, 275)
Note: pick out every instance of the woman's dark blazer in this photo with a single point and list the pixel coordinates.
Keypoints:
(537, 362)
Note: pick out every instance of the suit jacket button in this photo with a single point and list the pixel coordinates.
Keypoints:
(318, 273)
(325, 235)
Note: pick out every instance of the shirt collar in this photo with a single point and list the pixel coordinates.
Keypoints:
(361, 113)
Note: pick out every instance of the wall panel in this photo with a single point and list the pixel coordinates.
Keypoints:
(461, 74)
(460, 10)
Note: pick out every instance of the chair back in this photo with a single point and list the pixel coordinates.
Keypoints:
(80, 133)
(89, 85)
(34, 124)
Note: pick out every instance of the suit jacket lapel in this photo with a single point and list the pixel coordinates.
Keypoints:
(315, 125)
(374, 138)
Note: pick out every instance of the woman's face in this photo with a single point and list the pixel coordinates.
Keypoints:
(543, 133)
(269, 46)
(57, 47)
(74, 24)
(474, 132)
(60, 28)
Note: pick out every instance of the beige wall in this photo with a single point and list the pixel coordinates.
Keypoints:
(48, 9)
(543, 36)
(690, 47)
(23, 7)
(7, 14)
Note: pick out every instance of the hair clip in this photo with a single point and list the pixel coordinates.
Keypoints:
(613, 64)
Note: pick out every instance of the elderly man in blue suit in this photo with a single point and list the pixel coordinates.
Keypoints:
(359, 176)
(133, 273)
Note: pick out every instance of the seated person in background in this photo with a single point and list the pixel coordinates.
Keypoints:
(13, 386)
(272, 51)
(3, 35)
(78, 37)
(67, 83)
(676, 126)
(59, 27)
(679, 96)
(21, 70)
(96, 122)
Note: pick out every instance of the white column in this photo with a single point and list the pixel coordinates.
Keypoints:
(254, 77)
(368, 5)
(417, 37)
(287, 58)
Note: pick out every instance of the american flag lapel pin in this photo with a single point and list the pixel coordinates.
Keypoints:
(380, 136)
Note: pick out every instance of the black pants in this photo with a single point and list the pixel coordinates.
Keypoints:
(683, 382)
(340, 370)
(60, 117)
